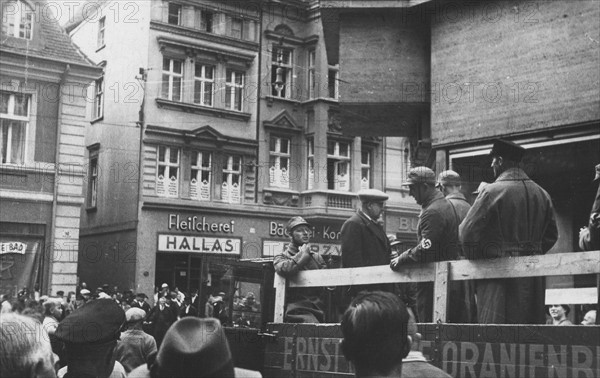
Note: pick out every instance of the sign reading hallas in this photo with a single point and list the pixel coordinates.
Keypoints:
(199, 244)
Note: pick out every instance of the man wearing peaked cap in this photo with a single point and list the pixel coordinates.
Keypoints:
(513, 216)
(364, 242)
(589, 237)
(437, 240)
(193, 347)
(90, 334)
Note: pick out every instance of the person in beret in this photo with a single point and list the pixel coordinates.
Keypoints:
(135, 345)
(513, 216)
(437, 240)
(90, 335)
(305, 305)
(558, 314)
(589, 236)
(364, 241)
(193, 347)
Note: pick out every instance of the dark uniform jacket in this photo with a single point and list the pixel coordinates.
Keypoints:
(511, 217)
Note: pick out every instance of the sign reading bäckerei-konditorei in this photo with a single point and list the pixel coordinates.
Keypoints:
(199, 244)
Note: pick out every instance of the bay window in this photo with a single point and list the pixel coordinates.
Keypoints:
(279, 162)
(338, 166)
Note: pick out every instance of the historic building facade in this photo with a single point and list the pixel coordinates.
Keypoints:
(42, 171)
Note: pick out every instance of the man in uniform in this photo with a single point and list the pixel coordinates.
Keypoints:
(512, 216)
(450, 184)
(364, 242)
(437, 234)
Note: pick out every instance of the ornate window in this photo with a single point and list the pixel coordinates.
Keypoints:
(281, 72)
(17, 19)
(279, 162)
(167, 175)
(201, 177)
(234, 89)
(14, 123)
(171, 79)
(232, 179)
(204, 81)
(338, 165)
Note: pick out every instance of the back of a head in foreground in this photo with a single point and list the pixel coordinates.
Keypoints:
(375, 333)
(25, 349)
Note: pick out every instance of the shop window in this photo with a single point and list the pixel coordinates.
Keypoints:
(93, 176)
(101, 28)
(281, 72)
(174, 16)
(234, 89)
(311, 73)
(172, 76)
(338, 166)
(204, 20)
(332, 82)
(167, 176)
(279, 162)
(17, 19)
(365, 168)
(14, 122)
(232, 179)
(99, 99)
(201, 176)
(204, 81)
(311, 164)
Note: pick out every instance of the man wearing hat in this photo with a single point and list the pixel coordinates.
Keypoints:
(513, 216)
(437, 240)
(304, 304)
(193, 347)
(90, 335)
(558, 313)
(140, 302)
(589, 237)
(135, 345)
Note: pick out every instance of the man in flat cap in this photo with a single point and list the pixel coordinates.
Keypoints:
(513, 216)
(364, 242)
(304, 305)
(90, 334)
(135, 345)
(437, 239)
(589, 237)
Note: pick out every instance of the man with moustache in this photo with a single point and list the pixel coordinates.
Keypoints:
(437, 236)
(513, 216)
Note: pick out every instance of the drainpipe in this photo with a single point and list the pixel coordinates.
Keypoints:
(59, 119)
(258, 94)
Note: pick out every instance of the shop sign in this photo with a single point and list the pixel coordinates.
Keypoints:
(321, 232)
(199, 244)
(18, 265)
(13, 247)
(198, 224)
(272, 248)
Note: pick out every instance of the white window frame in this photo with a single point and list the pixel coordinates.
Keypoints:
(365, 182)
(279, 177)
(199, 189)
(7, 129)
(233, 89)
(312, 57)
(99, 98)
(20, 23)
(171, 76)
(288, 71)
(340, 162)
(167, 187)
(179, 12)
(230, 193)
(201, 82)
(335, 71)
(310, 160)
(101, 32)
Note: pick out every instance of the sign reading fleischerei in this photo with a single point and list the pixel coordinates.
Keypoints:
(199, 244)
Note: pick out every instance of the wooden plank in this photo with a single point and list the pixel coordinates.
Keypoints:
(556, 264)
(363, 276)
(440, 291)
(583, 295)
(279, 285)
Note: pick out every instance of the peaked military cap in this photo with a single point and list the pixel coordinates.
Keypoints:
(448, 177)
(295, 222)
(507, 150)
(372, 195)
(418, 175)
